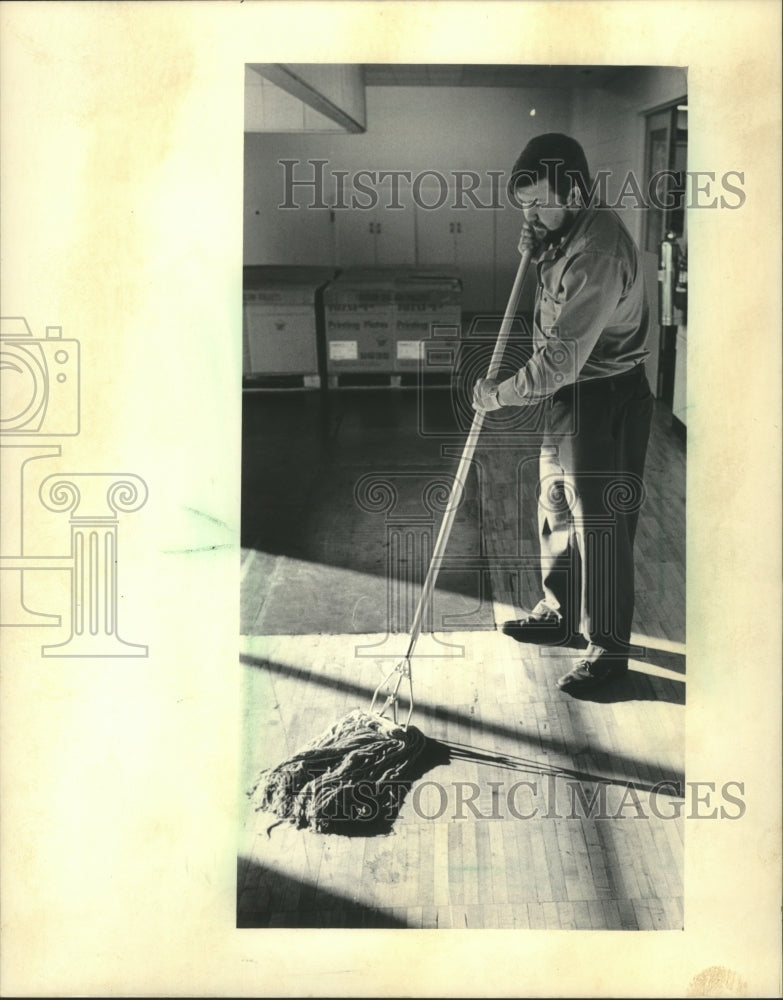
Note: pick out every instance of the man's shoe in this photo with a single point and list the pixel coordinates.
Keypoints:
(544, 627)
(599, 667)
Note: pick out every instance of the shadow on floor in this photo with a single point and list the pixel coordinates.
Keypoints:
(525, 765)
(664, 658)
(623, 762)
(635, 686)
(268, 898)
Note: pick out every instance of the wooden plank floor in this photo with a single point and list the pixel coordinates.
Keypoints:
(503, 833)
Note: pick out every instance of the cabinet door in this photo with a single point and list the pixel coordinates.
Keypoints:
(379, 236)
(367, 239)
(458, 236)
(394, 238)
(475, 259)
(355, 238)
(301, 235)
(436, 236)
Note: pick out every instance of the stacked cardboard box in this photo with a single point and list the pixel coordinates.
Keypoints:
(428, 321)
(385, 321)
(359, 321)
(282, 312)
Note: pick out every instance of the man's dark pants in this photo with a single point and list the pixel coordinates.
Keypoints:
(590, 493)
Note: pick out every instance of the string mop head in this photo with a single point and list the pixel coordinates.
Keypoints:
(350, 779)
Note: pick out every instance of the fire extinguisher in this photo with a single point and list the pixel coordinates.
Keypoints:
(668, 251)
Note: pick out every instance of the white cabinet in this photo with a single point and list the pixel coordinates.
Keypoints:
(464, 232)
(374, 239)
(458, 233)
(461, 239)
(376, 236)
(300, 235)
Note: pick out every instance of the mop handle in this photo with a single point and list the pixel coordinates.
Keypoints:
(467, 456)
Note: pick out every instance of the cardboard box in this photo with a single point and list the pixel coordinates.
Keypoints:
(381, 320)
(428, 321)
(359, 322)
(281, 318)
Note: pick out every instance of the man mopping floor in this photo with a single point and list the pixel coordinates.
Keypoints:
(591, 322)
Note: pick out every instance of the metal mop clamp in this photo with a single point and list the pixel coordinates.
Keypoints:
(402, 671)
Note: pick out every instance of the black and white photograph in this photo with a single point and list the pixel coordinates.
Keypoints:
(390, 563)
(465, 304)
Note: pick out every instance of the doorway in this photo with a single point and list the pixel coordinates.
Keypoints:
(666, 158)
